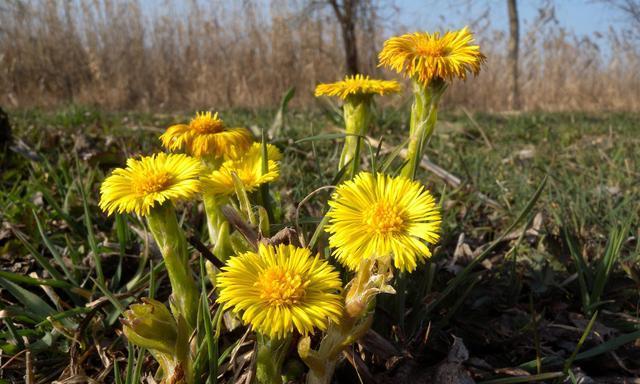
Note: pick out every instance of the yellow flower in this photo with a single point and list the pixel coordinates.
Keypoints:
(378, 216)
(248, 167)
(356, 86)
(426, 56)
(279, 289)
(150, 180)
(206, 135)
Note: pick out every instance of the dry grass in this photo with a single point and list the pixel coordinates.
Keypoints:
(221, 54)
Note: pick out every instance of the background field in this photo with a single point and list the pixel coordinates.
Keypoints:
(166, 55)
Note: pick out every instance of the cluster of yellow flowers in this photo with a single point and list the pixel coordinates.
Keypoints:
(162, 177)
(376, 223)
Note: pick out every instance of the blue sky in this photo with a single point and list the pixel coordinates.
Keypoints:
(584, 17)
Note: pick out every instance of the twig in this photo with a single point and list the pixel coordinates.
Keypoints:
(479, 128)
(234, 219)
(29, 375)
(361, 368)
(14, 357)
(205, 252)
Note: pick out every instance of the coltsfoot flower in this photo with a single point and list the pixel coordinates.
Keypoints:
(281, 289)
(378, 216)
(148, 181)
(149, 324)
(248, 168)
(357, 85)
(207, 136)
(427, 56)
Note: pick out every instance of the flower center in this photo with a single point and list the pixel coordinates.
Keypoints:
(151, 183)
(383, 218)
(205, 123)
(432, 50)
(281, 287)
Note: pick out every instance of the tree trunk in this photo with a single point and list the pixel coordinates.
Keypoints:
(5, 140)
(514, 40)
(5, 130)
(347, 16)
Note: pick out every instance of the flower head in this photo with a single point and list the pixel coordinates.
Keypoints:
(150, 180)
(281, 288)
(149, 324)
(206, 135)
(378, 216)
(248, 168)
(357, 85)
(425, 56)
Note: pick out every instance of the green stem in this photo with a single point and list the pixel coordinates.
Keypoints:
(269, 360)
(424, 113)
(355, 322)
(215, 218)
(218, 226)
(338, 337)
(173, 246)
(357, 114)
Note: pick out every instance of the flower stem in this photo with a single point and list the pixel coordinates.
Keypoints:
(337, 338)
(269, 360)
(424, 113)
(173, 246)
(355, 322)
(356, 118)
(214, 215)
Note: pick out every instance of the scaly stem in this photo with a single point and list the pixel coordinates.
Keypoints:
(424, 113)
(356, 119)
(215, 218)
(173, 246)
(355, 322)
(269, 360)
(337, 339)
(218, 226)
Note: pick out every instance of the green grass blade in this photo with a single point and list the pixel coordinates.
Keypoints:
(137, 374)
(323, 136)
(51, 247)
(13, 332)
(123, 237)
(131, 355)
(29, 300)
(605, 266)
(279, 123)
(608, 346)
(44, 263)
(461, 277)
(91, 238)
(23, 279)
(393, 155)
(207, 322)
(116, 303)
(264, 188)
(587, 331)
(56, 207)
(116, 372)
(525, 379)
(583, 271)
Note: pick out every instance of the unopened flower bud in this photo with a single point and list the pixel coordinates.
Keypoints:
(150, 325)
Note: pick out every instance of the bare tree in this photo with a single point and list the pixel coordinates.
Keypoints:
(631, 10)
(346, 12)
(5, 134)
(513, 55)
